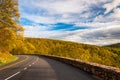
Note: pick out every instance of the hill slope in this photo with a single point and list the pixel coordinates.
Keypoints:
(117, 45)
(89, 53)
(114, 48)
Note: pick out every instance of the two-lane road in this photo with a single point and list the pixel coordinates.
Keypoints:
(41, 68)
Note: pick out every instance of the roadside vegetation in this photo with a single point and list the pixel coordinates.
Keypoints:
(10, 30)
(11, 33)
(6, 58)
(85, 52)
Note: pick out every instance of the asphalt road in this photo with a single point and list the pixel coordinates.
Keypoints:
(41, 68)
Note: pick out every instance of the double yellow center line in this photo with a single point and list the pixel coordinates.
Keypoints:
(9, 66)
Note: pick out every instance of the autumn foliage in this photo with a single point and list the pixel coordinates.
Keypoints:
(9, 28)
(85, 52)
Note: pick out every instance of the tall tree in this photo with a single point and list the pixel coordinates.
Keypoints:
(9, 24)
(9, 14)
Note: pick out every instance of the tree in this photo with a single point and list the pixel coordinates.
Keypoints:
(9, 28)
(9, 15)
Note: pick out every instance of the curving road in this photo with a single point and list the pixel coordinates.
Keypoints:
(41, 68)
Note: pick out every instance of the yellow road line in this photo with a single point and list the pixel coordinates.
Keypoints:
(9, 66)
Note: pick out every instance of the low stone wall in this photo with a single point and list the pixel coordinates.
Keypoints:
(101, 71)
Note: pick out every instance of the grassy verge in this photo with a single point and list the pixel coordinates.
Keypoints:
(7, 58)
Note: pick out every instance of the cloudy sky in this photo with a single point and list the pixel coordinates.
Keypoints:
(93, 22)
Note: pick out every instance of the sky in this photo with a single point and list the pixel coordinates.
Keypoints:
(95, 22)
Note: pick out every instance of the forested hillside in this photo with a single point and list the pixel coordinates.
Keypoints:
(89, 53)
(10, 31)
(114, 45)
(114, 48)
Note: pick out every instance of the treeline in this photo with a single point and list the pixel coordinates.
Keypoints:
(89, 53)
(114, 48)
(114, 45)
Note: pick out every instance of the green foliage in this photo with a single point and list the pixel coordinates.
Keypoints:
(89, 53)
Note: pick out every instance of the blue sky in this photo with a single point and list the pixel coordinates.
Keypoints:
(93, 22)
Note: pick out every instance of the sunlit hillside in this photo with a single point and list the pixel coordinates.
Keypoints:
(89, 53)
(117, 45)
(114, 48)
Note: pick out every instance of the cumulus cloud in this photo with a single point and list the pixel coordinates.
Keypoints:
(110, 33)
(40, 19)
(111, 5)
(99, 36)
(100, 18)
(103, 36)
(41, 32)
(116, 14)
(112, 17)
(67, 11)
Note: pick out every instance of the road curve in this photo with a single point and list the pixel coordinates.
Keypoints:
(41, 68)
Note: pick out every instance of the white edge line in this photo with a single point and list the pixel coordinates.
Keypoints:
(33, 63)
(29, 65)
(25, 68)
(19, 71)
(12, 76)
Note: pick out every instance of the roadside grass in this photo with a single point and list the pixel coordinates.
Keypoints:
(7, 58)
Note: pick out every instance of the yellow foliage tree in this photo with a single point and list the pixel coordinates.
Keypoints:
(9, 29)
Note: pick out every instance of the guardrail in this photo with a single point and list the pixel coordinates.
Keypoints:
(101, 71)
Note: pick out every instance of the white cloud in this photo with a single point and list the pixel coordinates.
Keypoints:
(116, 14)
(112, 17)
(44, 32)
(39, 19)
(103, 30)
(36, 28)
(112, 9)
(98, 24)
(52, 11)
(106, 34)
(110, 6)
(98, 36)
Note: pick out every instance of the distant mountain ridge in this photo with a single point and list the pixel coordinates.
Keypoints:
(117, 45)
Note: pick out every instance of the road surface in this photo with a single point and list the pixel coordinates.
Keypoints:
(41, 68)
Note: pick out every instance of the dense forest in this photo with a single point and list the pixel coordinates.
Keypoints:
(85, 52)
(117, 45)
(115, 48)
